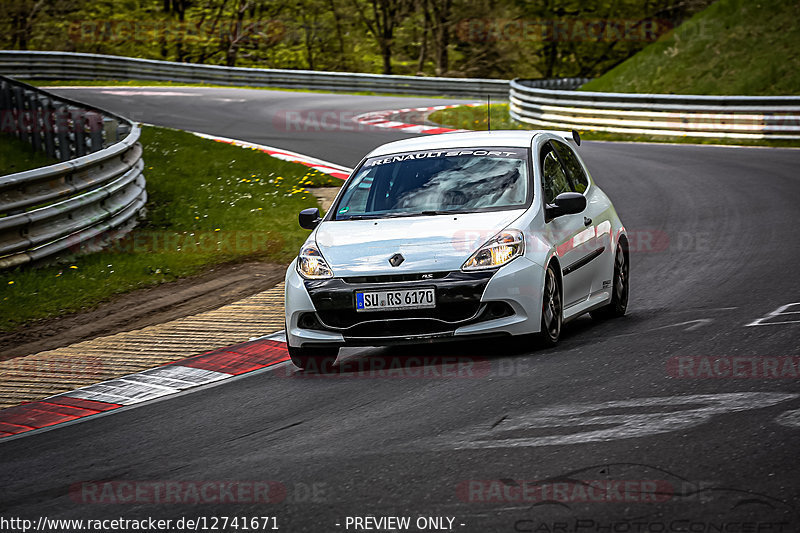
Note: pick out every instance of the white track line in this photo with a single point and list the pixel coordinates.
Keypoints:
(326, 167)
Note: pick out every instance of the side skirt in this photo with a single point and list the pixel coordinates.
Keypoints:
(595, 301)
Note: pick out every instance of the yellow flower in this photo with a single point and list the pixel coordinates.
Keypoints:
(73, 266)
(216, 229)
(10, 282)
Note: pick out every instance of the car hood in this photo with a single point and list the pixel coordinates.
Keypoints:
(428, 243)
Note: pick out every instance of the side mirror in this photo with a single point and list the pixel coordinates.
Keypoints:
(309, 218)
(566, 203)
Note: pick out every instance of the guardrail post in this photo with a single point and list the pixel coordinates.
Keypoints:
(35, 122)
(95, 124)
(18, 104)
(6, 109)
(48, 121)
(79, 131)
(62, 133)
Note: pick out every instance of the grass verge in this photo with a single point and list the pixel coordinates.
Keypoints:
(475, 118)
(17, 155)
(209, 203)
(732, 47)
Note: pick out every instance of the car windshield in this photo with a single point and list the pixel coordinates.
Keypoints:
(437, 182)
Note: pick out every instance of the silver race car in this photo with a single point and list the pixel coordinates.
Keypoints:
(455, 236)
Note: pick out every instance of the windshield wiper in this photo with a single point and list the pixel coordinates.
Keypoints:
(442, 212)
(403, 215)
(372, 217)
(425, 213)
(360, 217)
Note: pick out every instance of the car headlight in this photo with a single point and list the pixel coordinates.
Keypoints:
(311, 264)
(500, 249)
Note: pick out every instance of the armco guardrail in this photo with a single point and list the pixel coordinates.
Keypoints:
(69, 65)
(97, 187)
(563, 84)
(739, 117)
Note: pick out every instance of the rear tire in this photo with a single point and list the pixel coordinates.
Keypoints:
(318, 360)
(552, 309)
(619, 294)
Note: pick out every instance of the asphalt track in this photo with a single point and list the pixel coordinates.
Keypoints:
(716, 248)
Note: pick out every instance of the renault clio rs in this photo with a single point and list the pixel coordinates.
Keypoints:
(456, 236)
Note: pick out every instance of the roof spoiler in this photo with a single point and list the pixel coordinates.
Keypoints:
(573, 136)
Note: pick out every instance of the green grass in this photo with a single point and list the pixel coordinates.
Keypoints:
(17, 155)
(475, 118)
(209, 203)
(733, 47)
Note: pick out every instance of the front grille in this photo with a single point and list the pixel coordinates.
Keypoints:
(458, 296)
(399, 327)
(396, 278)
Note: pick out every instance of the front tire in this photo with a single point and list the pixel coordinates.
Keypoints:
(619, 294)
(552, 309)
(313, 359)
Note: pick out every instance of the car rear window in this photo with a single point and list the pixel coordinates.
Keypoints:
(437, 182)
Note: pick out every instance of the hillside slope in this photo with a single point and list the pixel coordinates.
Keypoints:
(733, 47)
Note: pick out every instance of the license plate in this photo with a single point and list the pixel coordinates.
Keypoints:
(391, 300)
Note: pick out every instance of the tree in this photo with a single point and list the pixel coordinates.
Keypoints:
(442, 37)
(441, 33)
(178, 7)
(380, 18)
(21, 16)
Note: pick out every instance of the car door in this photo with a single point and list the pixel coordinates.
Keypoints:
(597, 235)
(572, 238)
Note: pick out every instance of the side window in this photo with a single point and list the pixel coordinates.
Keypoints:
(577, 174)
(553, 177)
(355, 199)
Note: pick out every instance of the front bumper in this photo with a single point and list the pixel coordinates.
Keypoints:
(506, 301)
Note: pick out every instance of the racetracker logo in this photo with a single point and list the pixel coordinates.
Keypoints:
(44, 368)
(423, 367)
(639, 241)
(187, 242)
(16, 122)
(734, 367)
(178, 492)
(171, 31)
(319, 120)
(597, 491)
(563, 30)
